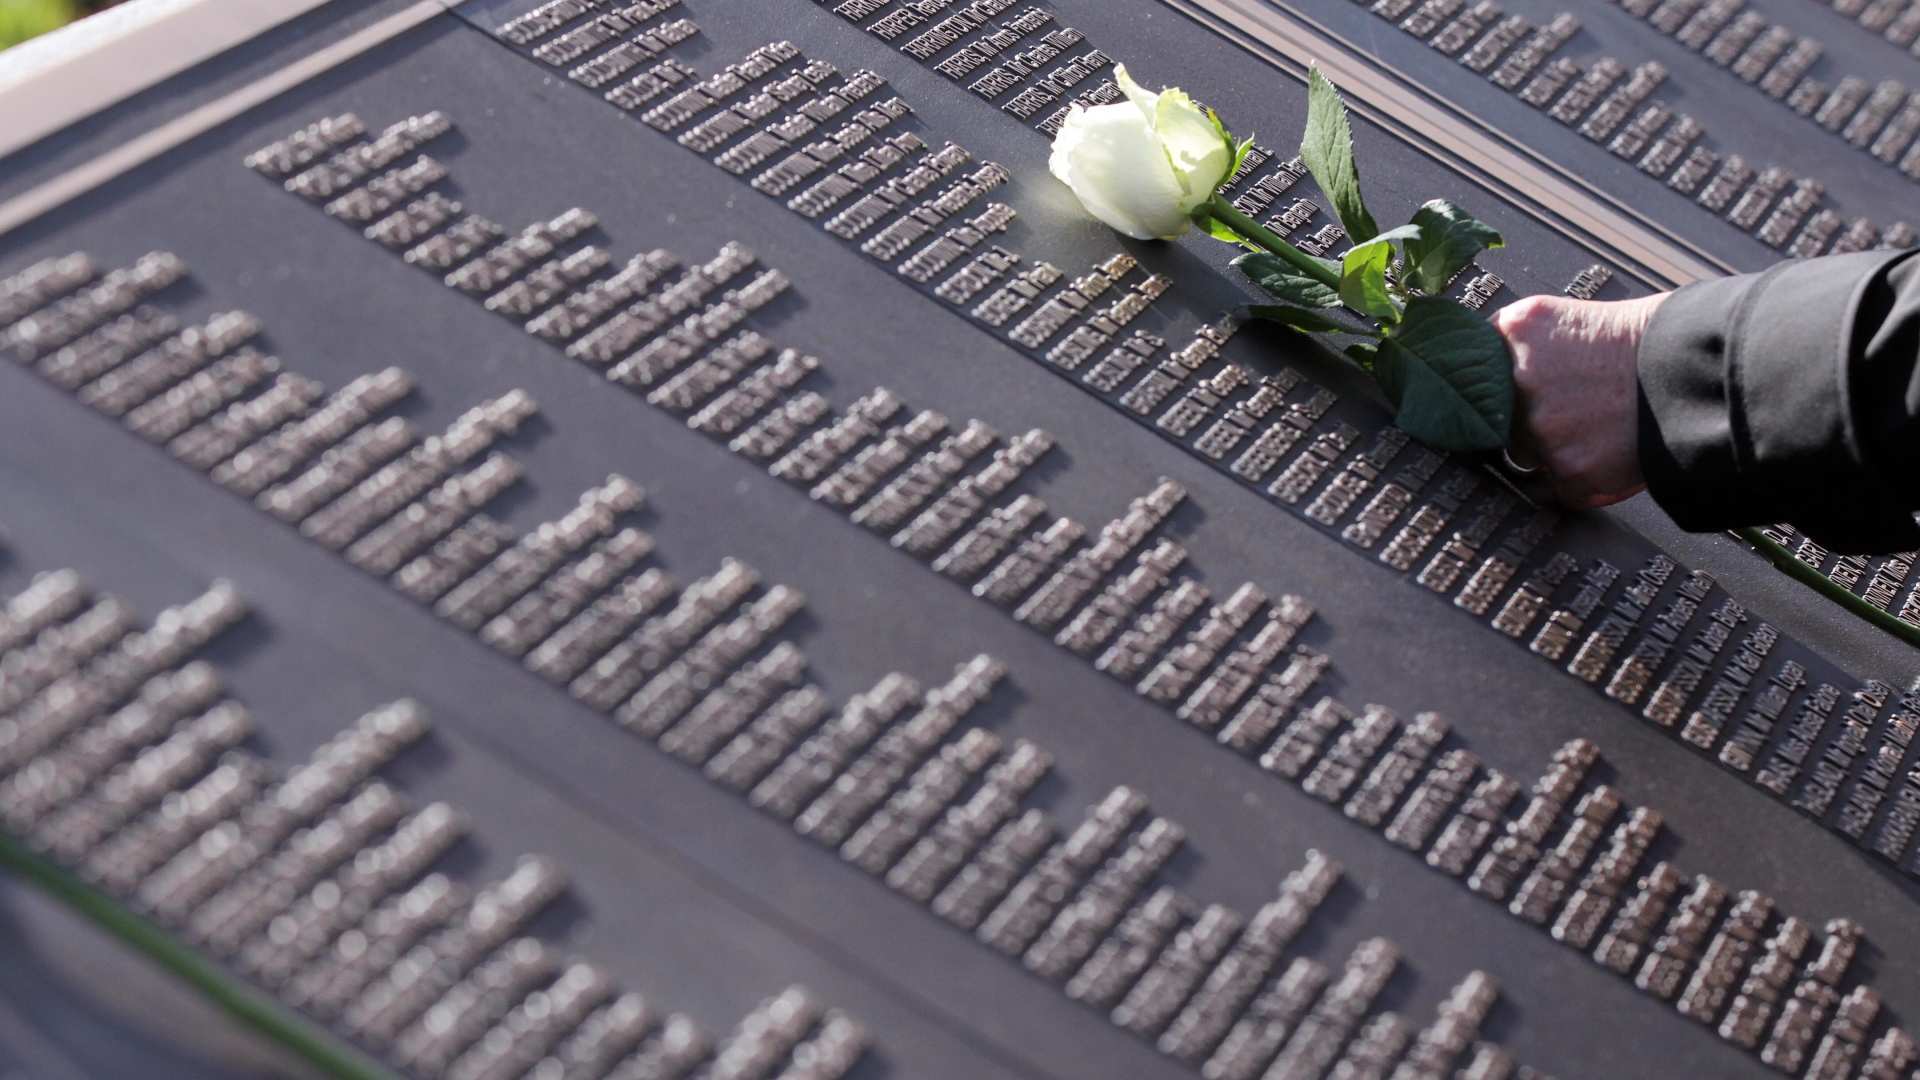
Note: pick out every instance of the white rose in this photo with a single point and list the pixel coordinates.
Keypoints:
(1141, 166)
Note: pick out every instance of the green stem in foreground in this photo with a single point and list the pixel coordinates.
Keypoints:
(263, 1015)
(1784, 560)
(1229, 215)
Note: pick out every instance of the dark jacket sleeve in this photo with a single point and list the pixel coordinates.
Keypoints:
(1790, 395)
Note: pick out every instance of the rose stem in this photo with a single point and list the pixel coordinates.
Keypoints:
(1229, 215)
(1784, 560)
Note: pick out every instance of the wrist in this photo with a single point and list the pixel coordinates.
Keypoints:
(1636, 318)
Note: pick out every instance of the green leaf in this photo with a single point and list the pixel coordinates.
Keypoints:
(1390, 279)
(1363, 281)
(1449, 375)
(1204, 220)
(1364, 353)
(1285, 281)
(1237, 151)
(1240, 150)
(1408, 232)
(1450, 238)
(1327, 151)
(1280, 278)
(1219, 230)
(1311, 322)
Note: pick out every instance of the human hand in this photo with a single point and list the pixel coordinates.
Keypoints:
(1577, 399)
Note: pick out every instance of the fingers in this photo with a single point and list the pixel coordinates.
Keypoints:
(1576, 493)
(1584, 476)
(1575, 393)
(1523, 450)
(1526, 324)
(1529, 319)
(1594, 500)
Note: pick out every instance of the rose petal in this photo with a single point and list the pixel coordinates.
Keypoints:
(1059, 162)
(1116, 166)
(1201, 159)
(1146, 100)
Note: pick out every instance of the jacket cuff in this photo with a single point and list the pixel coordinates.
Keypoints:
(1686, 440)
(1744, 410)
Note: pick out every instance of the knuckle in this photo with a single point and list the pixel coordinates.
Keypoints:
(1569, 461)
(1526, 317)
(1555, 429)
(1573, 490)
(1528, 377)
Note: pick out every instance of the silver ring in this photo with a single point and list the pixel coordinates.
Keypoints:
(1517, 468)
